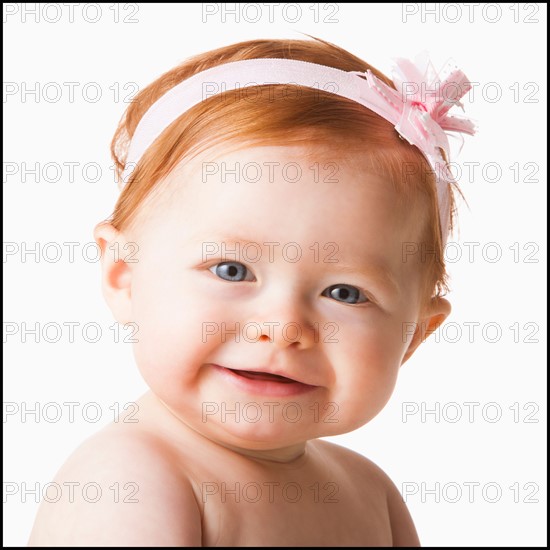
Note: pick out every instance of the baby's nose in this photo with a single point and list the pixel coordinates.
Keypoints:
(285, 322)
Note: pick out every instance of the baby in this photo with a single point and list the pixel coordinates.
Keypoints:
(289, 206)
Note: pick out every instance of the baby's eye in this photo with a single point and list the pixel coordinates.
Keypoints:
(345, 293)
(232, 271)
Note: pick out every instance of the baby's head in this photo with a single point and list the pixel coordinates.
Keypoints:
(281, 229)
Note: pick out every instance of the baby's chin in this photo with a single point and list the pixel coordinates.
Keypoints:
(265, 431)
(259, 422)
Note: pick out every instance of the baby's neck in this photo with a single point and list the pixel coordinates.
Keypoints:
(293, 454)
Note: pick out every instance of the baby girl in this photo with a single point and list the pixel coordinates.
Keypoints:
(289, 205)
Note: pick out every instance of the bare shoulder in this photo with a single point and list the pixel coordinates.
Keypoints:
(120, 488)
(361, 468)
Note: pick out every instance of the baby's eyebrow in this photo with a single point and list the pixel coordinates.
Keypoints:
(232, 246)
(229, 239)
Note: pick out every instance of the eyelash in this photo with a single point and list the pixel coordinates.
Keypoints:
(329, 289)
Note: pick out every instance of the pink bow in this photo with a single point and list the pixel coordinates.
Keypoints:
(419, 107)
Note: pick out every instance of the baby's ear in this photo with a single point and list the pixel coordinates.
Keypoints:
(116, 276)
(433, 316)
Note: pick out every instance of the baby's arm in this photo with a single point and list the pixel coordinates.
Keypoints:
(402, 526)
(145, 498)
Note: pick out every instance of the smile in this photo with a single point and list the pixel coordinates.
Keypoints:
(263, 383)
(253, 375)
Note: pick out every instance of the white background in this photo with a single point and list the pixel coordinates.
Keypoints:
(502, 47)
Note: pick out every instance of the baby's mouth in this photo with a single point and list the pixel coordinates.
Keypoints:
(264, 376)
(264, 382)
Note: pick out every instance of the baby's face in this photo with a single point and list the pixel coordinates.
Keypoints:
(296, 269)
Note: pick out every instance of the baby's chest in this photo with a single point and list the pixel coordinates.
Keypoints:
(295, 515)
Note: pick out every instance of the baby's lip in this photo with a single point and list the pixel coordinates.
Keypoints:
(271, 374)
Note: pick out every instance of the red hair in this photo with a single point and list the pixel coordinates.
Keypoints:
(270, 118)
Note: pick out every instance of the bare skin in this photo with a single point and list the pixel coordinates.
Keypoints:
(208, 480)
(191, 491)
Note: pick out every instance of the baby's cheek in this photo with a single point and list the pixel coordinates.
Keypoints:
(369, 361)
(376, 342)
(177, 332)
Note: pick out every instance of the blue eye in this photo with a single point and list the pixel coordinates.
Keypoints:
(345, 293)
(232, 271)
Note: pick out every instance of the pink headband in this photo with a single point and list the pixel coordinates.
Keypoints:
(418, 108)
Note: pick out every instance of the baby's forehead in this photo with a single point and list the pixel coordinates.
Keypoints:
(268, 154)
(271, 169)
(279, 191)
(300, 174)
